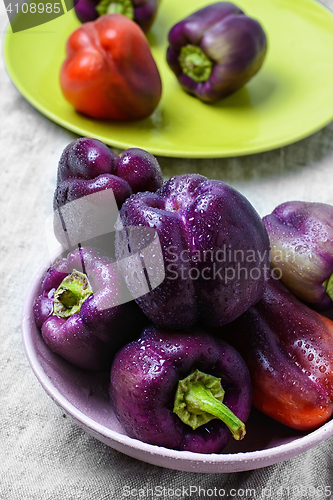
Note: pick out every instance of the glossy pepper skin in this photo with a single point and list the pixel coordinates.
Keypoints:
(143, 12)
(144, 379)
(216, 50)
(87, 337)
(288, 349)
(109, 72)
(301, 236)
(87, 166)
(215, 251)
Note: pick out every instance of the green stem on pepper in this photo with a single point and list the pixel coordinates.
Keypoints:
(70, 295)
(195, 63)
(328, 284)
(199, 400)
(124, 7)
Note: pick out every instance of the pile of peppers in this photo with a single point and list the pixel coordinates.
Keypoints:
(223, 331)
(189, 357)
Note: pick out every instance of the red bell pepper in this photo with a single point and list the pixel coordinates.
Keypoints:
(109, 71)
(288, 349)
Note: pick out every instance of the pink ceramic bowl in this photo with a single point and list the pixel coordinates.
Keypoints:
(84, 396)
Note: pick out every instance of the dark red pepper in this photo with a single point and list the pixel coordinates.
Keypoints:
(288, 349)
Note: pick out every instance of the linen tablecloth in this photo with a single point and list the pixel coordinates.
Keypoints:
(43, 453)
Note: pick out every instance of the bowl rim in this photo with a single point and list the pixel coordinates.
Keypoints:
(242, 461)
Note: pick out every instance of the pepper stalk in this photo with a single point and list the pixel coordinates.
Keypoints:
(124, 7)
(199, 399)
(328, 284)
(195, 63)
(71, 293)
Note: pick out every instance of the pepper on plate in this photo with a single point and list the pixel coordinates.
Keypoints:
(143, 12)
(301, 236)
(80, 310)
(214, 251)
(288, 349)
(216, 50)
(185, 391)
(109, 72)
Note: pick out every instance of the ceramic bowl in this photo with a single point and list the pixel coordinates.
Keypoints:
(84, 396)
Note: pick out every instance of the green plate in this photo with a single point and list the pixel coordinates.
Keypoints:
(290, 98)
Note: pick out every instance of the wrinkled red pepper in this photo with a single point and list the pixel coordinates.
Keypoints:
(109, 72)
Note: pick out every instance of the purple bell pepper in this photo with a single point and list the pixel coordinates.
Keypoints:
(143, 12)
(301, 236)
(88, 165)
(185, 391)
(80, 312)
(214, 246)
(216, 50)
